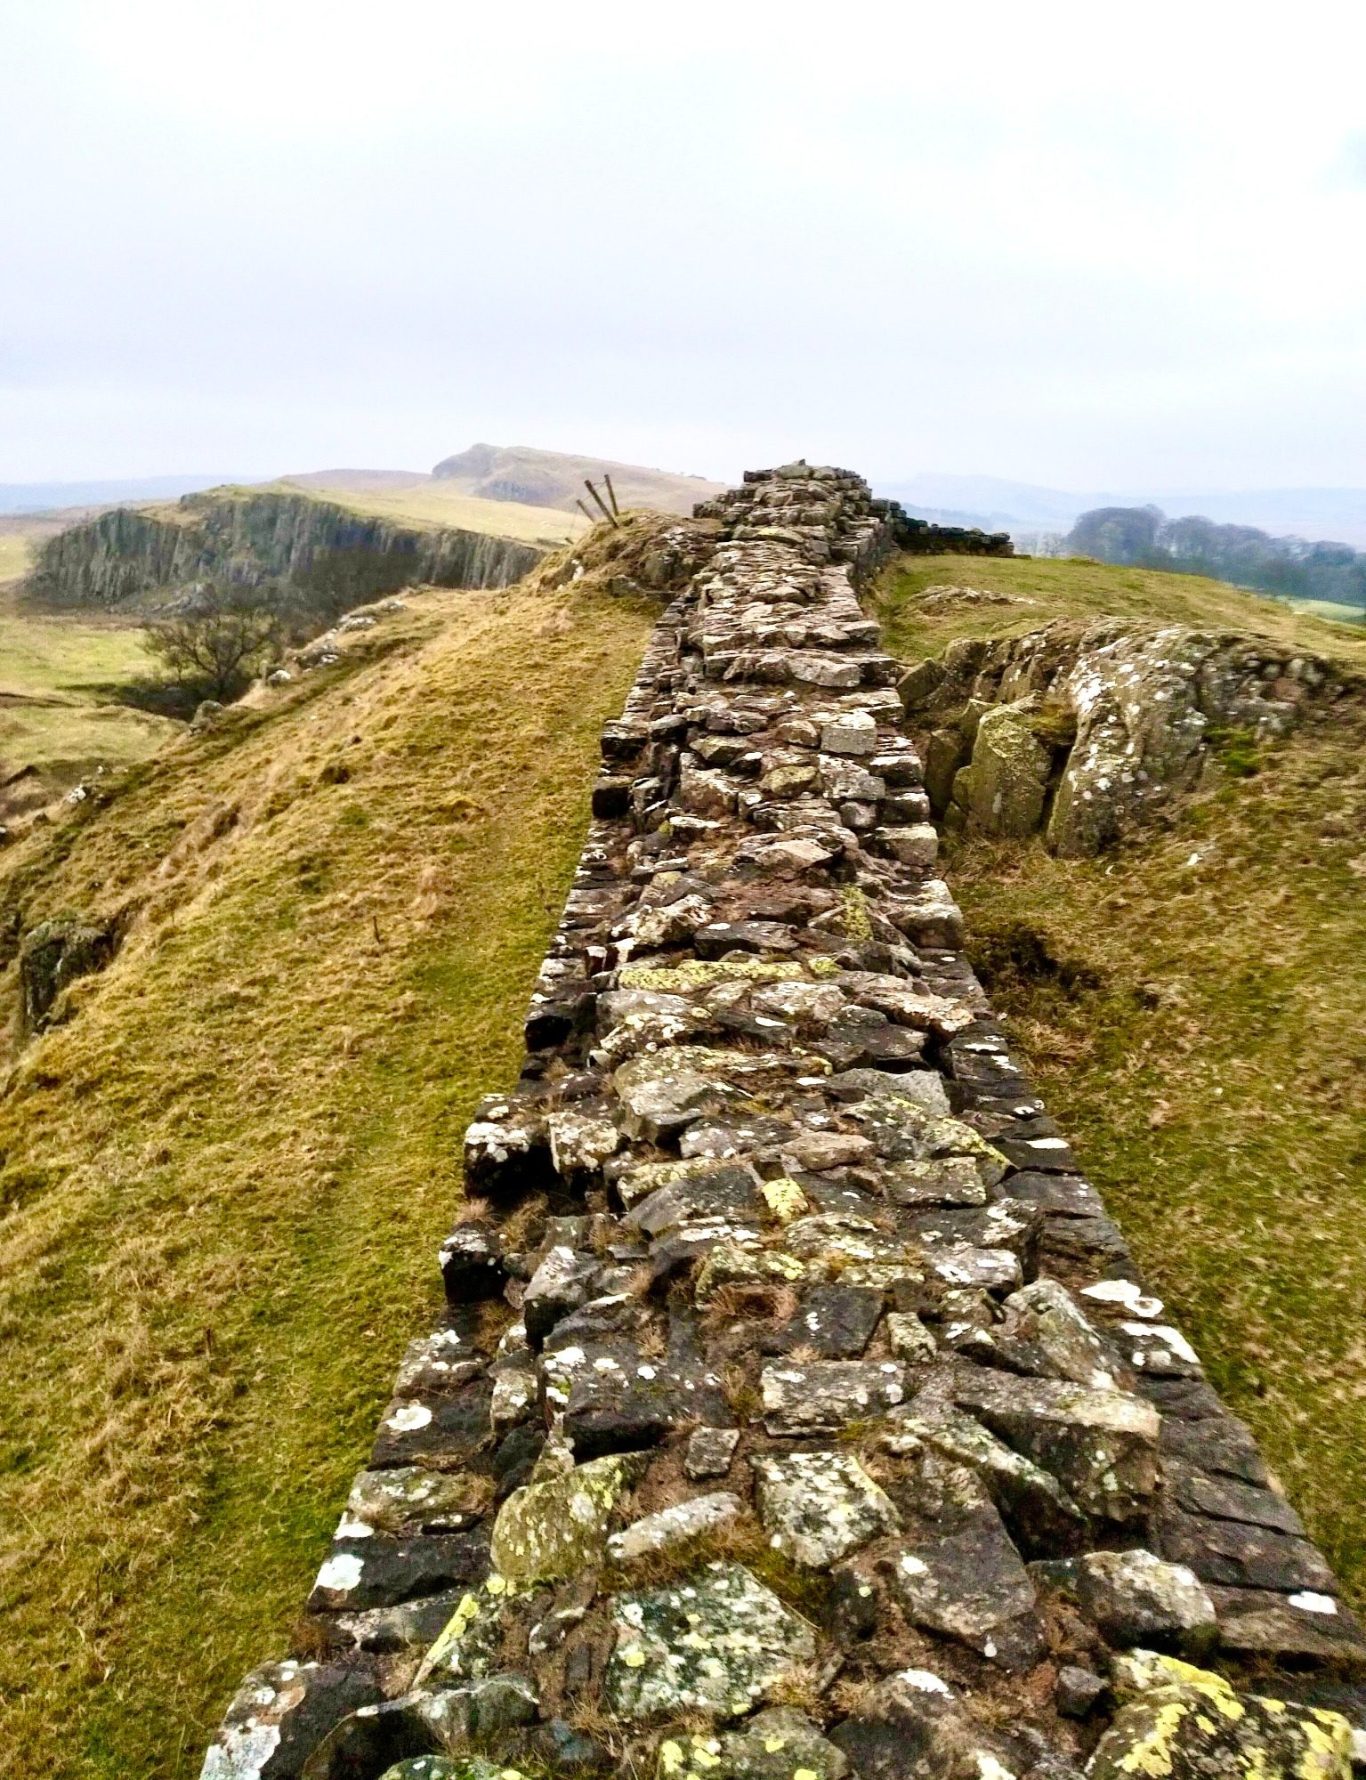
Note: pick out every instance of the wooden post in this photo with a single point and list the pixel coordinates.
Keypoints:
(601, 504)
(611, 494)
(587, 515)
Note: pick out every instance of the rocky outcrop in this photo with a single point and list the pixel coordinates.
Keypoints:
(248, 537)
(52, 956)
(797, 1412)
(1080, 730)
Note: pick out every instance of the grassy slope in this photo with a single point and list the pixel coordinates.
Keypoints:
(1190, 1006)
(435, 503)
(227, 1175)
(61, 666)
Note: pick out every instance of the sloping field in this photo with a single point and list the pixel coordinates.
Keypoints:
(224, 1178)
(427, 501)
(1190, 1006)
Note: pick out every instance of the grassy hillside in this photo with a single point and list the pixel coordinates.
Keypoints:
(1191, 1008)
(430, 502)
(224, 1179)
(556, 479)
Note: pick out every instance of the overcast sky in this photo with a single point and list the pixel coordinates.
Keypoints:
(1090, 245)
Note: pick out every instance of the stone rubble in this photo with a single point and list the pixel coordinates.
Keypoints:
(797, 1411)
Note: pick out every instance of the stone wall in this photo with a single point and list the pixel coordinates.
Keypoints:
(797, 1411)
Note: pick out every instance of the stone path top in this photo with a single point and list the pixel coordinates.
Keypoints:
(798, 1411)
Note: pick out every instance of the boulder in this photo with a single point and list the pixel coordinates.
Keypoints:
(54, 954)
(1002, 792)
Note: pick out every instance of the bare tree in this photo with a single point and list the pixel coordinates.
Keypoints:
(215, 649)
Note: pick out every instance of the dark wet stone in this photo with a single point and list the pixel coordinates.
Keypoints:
(1040, 1515)
(410, 1626)
(441, 1432)
(1305, 1624)
(1183, 1399)
(836, 1321)
(971, 1585)
(729, 1191)
(382, 1572)
(281, 1713)
(913, 1727)
(507, 1151)
(637, 1406)
(1219, 1443)
(719, 937)
(1101, 1445)
(1238, 1555)
(516, 1457)
(1076, 1691)
(471, 1263)
(1062, 1195)
(1227, 1499)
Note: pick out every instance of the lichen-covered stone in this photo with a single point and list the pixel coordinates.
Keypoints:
(1133, 1597)
(1042, 1516)
(1003, 791)
(778, 1744)
(710, 1451)
(697, 1518)
(281, 1712)
(1189, 1724)
(820, 1506)
(824, 1396)
(559, 1527)
(716, 1643)
(1100, 1445)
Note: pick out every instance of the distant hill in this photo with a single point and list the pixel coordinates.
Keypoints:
(556, 479)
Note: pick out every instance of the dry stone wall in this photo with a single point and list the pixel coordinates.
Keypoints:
(797, 1411)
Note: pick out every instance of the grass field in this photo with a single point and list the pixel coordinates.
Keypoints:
(1190, 1006)
(1079, 588)
(225, 1179)
(16, 553)
(1335, 609)
(55, 708)
(432, 504)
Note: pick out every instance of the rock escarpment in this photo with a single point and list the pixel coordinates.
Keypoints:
(249, 537)
(797, 1411)
(1081, 729)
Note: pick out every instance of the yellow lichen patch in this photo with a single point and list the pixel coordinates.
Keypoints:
(701, 973)
(784, 1198)
(857, 924)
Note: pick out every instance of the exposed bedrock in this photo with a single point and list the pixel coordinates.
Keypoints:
(797, 1412)
(1079, 729)
(250, 537)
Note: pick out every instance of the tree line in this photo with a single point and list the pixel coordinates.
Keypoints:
(1293, 568)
